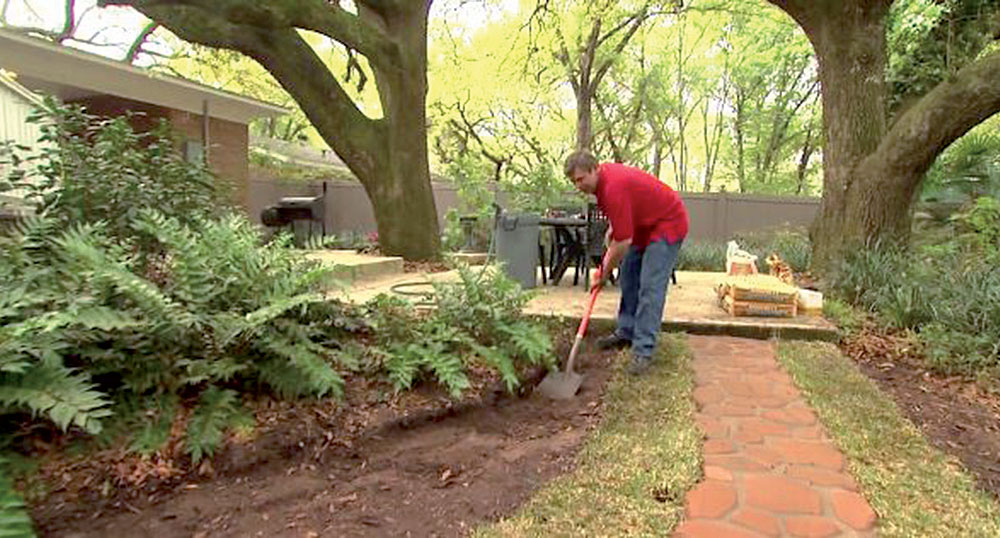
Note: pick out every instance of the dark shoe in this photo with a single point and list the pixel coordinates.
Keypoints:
(639, 365)
(613, 341)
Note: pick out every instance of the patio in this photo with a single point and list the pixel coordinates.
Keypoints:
(691, 305)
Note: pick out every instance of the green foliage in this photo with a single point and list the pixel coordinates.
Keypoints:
(89, 169)
(949, 296)
(842, 314)
(980, 225)
(953, 351)
(477, 321)
(14, 520)
(217, 410)
(702, 256)
(968, 169)
(146, 306)
(928, 41)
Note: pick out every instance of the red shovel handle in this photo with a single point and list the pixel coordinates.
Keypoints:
(593, 299)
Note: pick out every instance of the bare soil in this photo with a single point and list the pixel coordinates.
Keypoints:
(438, 470)
(956, 414)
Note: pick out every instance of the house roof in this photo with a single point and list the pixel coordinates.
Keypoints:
(72, 74)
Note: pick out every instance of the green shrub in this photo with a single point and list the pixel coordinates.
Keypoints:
(477, 322)
(90, 169)
(946, 294)
(842, 314)
(953, 351)
(14, 520)
(981, 227)
(702, 256)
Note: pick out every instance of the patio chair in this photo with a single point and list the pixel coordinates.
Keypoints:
(593, 242)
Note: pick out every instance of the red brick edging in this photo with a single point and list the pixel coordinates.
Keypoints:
(770, 468)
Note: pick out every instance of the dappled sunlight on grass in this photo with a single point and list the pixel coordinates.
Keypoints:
(915, 489)
(635, 469)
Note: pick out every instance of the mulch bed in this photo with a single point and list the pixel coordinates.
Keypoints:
(955, 413)
(415, 464)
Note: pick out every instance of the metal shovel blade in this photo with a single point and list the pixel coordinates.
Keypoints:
(560, 385)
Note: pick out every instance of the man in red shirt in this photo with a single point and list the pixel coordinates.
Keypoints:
(648, 224)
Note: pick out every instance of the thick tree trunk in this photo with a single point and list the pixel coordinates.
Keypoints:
(850, 45)
(388, 155)
(871, 176)
(399, 187)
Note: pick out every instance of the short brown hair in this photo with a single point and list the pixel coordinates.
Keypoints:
(579, 159)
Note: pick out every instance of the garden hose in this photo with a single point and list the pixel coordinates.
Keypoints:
(428, 296)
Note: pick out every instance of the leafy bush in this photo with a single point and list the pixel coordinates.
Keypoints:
(981, 227)
(842, 314)
(90, 169)
(477, 322)
(953, 351)
(105, 294)
(14, 520)
(953, 303)
(206, 306)
(702, 256)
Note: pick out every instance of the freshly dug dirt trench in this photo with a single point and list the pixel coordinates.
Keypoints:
(439, 473)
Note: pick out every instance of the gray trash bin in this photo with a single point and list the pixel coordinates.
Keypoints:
(517, 246)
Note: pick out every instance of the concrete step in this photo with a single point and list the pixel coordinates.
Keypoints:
(352, 267)
(470, 258)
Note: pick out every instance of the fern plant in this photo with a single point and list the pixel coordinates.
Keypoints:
(477, 321)
(14, 520)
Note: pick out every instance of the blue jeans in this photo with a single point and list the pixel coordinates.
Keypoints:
(645, 277)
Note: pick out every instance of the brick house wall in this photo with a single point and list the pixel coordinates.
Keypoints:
(228, 155)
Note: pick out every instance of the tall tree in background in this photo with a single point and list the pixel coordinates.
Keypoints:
(389, 154)
(592, 42)
(872, 169)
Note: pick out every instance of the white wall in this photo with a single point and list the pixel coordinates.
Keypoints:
(14, 110)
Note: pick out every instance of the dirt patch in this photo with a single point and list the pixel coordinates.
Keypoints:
(435, 473)
(955, 414)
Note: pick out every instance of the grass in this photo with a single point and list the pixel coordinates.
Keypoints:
(915, 489)
(636, 467)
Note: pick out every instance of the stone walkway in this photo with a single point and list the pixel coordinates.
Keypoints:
(770, 469)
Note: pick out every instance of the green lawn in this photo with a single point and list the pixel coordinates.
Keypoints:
(636, 467)
(915, 489)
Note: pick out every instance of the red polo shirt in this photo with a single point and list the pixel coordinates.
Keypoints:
(640, 206)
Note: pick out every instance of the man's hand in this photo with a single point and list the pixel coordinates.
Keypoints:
(598, 280)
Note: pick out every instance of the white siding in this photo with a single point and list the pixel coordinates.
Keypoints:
(14, 111)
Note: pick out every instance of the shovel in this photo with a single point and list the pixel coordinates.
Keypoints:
(563, 385)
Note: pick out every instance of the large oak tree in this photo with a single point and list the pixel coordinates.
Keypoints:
(873, 167)
(388, 154)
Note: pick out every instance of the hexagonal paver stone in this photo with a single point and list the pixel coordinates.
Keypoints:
(711, 499)
(853, 509)
(781, 495)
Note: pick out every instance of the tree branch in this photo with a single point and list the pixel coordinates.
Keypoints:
(609, 61)
(139, 41)
(318, 16)
(294, 64)
(942, 116)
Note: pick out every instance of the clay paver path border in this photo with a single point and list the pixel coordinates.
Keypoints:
(770, 468)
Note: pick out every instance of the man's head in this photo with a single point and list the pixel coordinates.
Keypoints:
(581, 169)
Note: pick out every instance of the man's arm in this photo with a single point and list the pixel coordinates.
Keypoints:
(616, 252)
